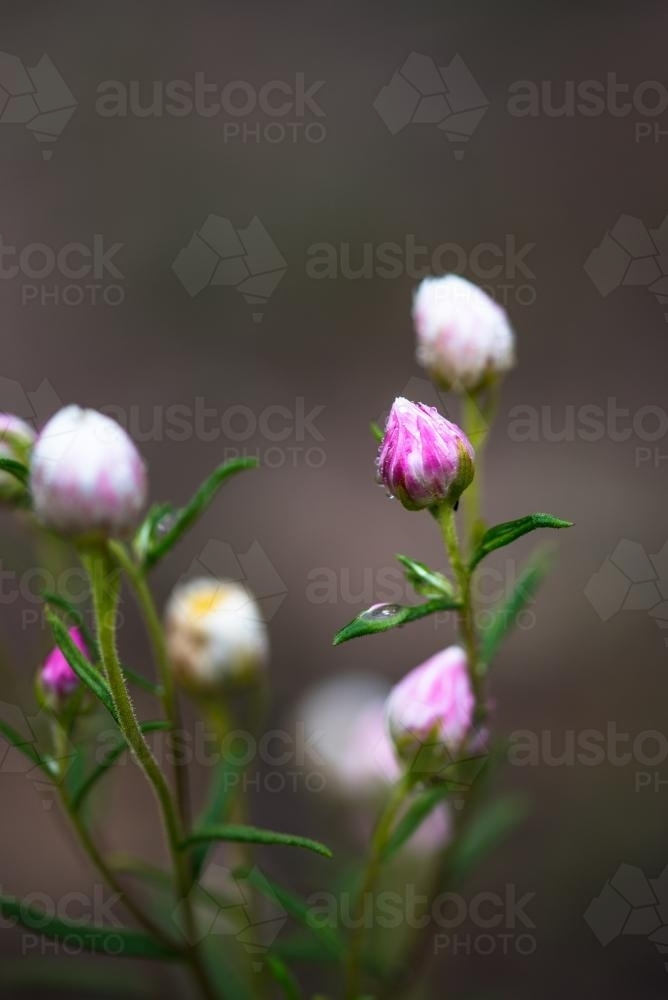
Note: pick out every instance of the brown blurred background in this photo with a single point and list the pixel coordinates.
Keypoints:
(345, 346)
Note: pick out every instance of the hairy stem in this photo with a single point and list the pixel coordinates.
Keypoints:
(466, 614)
(170, 700)
(105, 586)
(378, 843)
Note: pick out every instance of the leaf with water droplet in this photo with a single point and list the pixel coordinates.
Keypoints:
(381, 617)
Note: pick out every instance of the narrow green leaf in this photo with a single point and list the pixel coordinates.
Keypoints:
(84, 670)
(505, 616)
(487, 829)
(145, 536)
(16, 469)
(229, 832)
(427, 582)
(74, 617)
(328, 941)
(142, 682)
(282, 975)
(186, 516)
(84, 789)
(418, 811)
(382, 617)
(504, 534)
(221, 794)
(27, 749)
(112, 941)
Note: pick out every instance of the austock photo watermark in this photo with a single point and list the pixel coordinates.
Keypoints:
(448, 98)
(276, 111)
(642, 753)
(632, 904)
(84, 909)
(278, 435)
(71, 274)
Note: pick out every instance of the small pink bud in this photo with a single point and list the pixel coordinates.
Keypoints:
(16, 439)
(464, 337)
(424, 459)
(432, 706)
(57, 677)
(86, 476)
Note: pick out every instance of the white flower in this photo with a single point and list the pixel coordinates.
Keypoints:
(216, 637)
(86, 476)
(464, 337)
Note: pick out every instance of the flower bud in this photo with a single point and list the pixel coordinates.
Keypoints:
(216, 637)
(424, 459)
(86, 477)
(431, 709)
(343, 721)
(57, 678)
(464, 337)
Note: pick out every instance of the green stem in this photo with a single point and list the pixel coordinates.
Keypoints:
(156, 635)
(105, 586)
(378, 843)
(477, 414)
(446, 517)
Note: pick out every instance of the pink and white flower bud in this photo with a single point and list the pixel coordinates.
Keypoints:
(344, 727)
(216, 637)
(86, 477)
(464, 337)
(432, 707)
(16, 439)
(57, 678)
(424, 459)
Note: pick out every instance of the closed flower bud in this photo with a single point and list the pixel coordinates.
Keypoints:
(16, 439)
(344, 726)
(87, 478)
(430, 712)
(58, 680)
(464, 337)
(424, 459)
(216, 637)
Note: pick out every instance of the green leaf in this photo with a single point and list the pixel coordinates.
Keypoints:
(142, 682)
(186, 516)
(145, 536)
(85, 788)
(425, 581)
(486, 830)
(27, 749)
(504, 617)
(84, 670)
(112, 941)
(16, 469)
(382, 617)
(74, 617)
(419, 809)
(377, 431)
(504, 534)
(329, 943)
(221, 795)
(229, 832)
(282, 975)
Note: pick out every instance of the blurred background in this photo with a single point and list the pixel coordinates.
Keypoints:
(557, 212)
